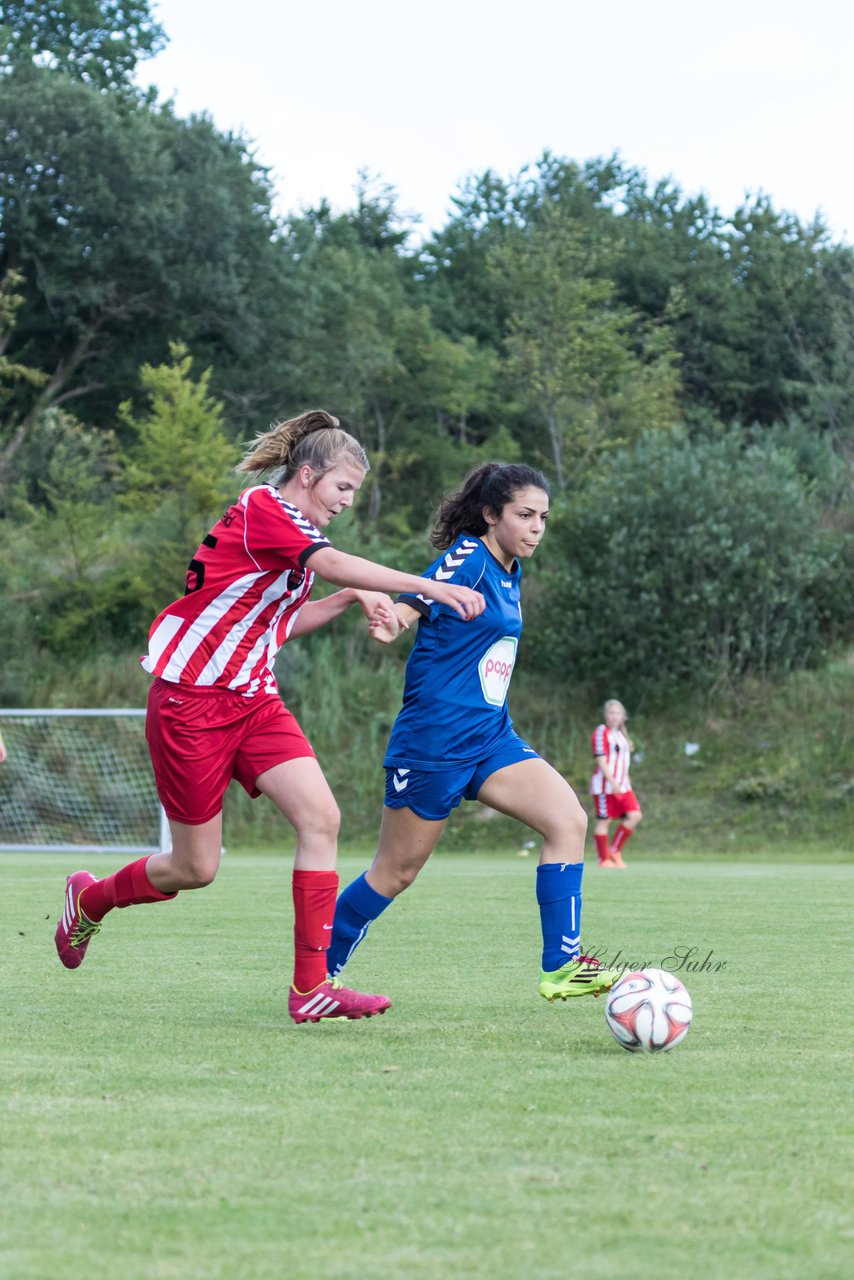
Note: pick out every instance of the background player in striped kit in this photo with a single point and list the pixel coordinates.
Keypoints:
(453, 738)
(214, 712)
(611, 786)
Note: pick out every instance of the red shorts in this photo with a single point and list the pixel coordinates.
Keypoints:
(615, 806)
(200, 738)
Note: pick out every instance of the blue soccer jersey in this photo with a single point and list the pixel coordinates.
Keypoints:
(455, 697)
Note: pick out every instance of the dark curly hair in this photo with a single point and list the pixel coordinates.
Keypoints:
(491, 485)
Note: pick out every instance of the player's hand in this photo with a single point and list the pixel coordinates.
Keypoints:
(377, 608)
(384, 622)
(385, 630)
(467, 603)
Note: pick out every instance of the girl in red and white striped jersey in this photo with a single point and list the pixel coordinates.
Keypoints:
(611, 786)
(214, 712)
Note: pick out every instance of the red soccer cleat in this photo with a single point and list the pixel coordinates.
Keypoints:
(333, 1000)
(75, 930)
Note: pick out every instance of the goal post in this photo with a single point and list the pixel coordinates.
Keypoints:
(78, 780)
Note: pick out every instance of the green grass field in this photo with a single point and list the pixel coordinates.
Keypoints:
(163, 1118)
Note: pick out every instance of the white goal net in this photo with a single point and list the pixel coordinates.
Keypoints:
(78, 780)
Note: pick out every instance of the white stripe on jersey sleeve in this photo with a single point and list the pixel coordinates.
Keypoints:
(244, 502)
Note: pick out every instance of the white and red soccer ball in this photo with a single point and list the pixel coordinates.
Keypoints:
(648, 1011)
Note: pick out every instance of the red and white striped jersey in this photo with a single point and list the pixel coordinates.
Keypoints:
(245, 587)
(614, 746)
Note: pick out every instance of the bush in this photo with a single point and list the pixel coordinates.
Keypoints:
(689, 565)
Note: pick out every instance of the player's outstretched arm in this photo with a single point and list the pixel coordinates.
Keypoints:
(377, 607)
(344, 570)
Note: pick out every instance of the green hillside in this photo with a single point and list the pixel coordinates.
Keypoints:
(774, 773)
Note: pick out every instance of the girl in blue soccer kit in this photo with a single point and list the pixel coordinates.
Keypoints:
(453, 738)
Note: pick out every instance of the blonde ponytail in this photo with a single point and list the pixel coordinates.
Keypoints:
(313, 439)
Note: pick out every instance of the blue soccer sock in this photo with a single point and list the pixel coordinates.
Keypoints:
(559, 898)
(356, 907)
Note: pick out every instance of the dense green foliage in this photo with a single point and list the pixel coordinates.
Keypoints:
(97, 41)
(712, 550)
(131, 229)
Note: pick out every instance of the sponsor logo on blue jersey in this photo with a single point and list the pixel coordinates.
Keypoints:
(495, 669)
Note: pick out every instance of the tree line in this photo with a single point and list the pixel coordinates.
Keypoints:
(683, 376)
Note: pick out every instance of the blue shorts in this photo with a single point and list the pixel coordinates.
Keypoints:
(432, 795)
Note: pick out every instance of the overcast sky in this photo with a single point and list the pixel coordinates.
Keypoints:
(729, 99)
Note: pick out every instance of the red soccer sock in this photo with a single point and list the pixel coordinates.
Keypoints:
(126, 888)
(622, 835)
(314, 910)
(602, 849)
